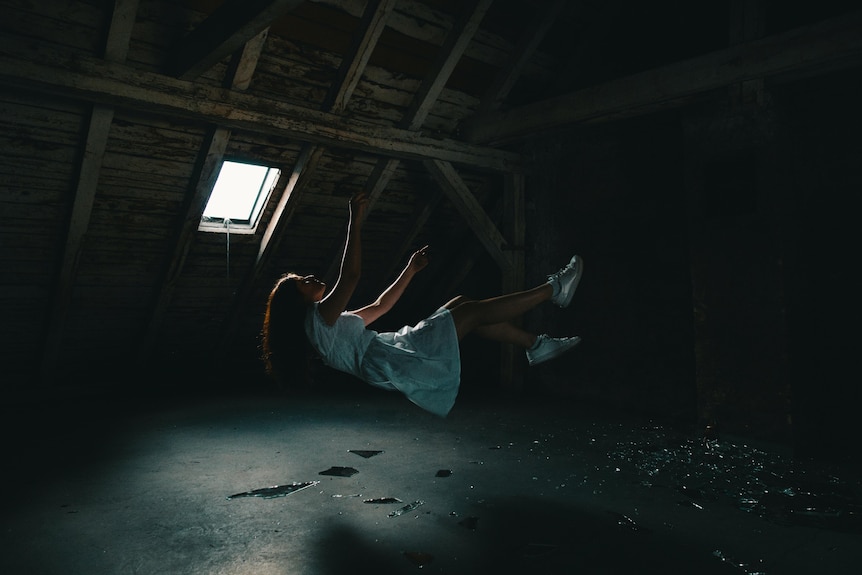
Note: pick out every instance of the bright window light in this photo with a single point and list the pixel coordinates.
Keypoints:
(239, 194)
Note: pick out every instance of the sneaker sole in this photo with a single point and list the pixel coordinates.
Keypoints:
(556, 353)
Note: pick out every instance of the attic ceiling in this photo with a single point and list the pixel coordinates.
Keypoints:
(117, 116)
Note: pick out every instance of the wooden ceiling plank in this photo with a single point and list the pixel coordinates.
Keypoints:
(93, 80)
(810, 50)
(225, 31)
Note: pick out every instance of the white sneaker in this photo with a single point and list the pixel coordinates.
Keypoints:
(565, 281)
(547, 347)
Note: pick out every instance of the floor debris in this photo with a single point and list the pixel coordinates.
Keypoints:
(274, 490)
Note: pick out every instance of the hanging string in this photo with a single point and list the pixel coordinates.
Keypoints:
(227, 236)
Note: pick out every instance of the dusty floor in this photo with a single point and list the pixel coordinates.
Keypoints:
(528, 486)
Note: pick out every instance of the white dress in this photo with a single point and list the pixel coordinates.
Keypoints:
(422, 361)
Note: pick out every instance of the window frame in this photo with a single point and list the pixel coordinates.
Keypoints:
(248, 225)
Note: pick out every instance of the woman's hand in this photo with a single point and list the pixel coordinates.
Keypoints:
(392, 294)
(418, 260)
(358, 204)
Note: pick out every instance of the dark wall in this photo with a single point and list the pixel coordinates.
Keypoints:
(615, 196)
(720, 245)
(818, 176)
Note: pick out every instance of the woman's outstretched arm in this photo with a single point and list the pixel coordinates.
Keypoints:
(392, 294)
(336, 301)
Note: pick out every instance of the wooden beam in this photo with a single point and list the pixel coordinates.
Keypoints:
(353, 64)
(243, 65)
(514, 223)
(460, 195)
(305, 165)
(101, 119)
(522, 53)
(810, 50)
(224, 32)
(449, 56)
(89, 79)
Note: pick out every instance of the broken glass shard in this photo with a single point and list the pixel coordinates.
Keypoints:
(626, 521)
(274, 491)
(407, 508)
(366, 453)
(339, 471)
(383, 500)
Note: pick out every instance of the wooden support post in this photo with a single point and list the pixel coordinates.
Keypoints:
(512, 360)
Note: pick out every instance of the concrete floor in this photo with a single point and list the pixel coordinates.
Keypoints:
(536, 486)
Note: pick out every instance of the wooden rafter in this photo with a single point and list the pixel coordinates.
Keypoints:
(101, 118)
(223, 33)
(497, 91)
(433, 83)
(449, 56)
(832, 44)
(93, 80)
(370, 28)
(525, 49)
(470, 209)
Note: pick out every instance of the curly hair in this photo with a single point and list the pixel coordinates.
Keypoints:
(286, 351)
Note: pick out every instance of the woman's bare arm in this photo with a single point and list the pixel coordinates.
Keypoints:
(336, 301)
(393, 293)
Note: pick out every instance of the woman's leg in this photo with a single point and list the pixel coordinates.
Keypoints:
(491, 317)
(469, 315)
(539, 348)
(506, 333)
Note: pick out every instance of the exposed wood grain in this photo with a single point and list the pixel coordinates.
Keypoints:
(101, 82)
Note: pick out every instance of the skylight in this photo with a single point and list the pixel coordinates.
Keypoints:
(239, 194)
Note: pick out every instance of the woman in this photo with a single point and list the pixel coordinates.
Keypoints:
(422, 361)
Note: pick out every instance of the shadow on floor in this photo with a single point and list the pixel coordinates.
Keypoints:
(526, 535)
